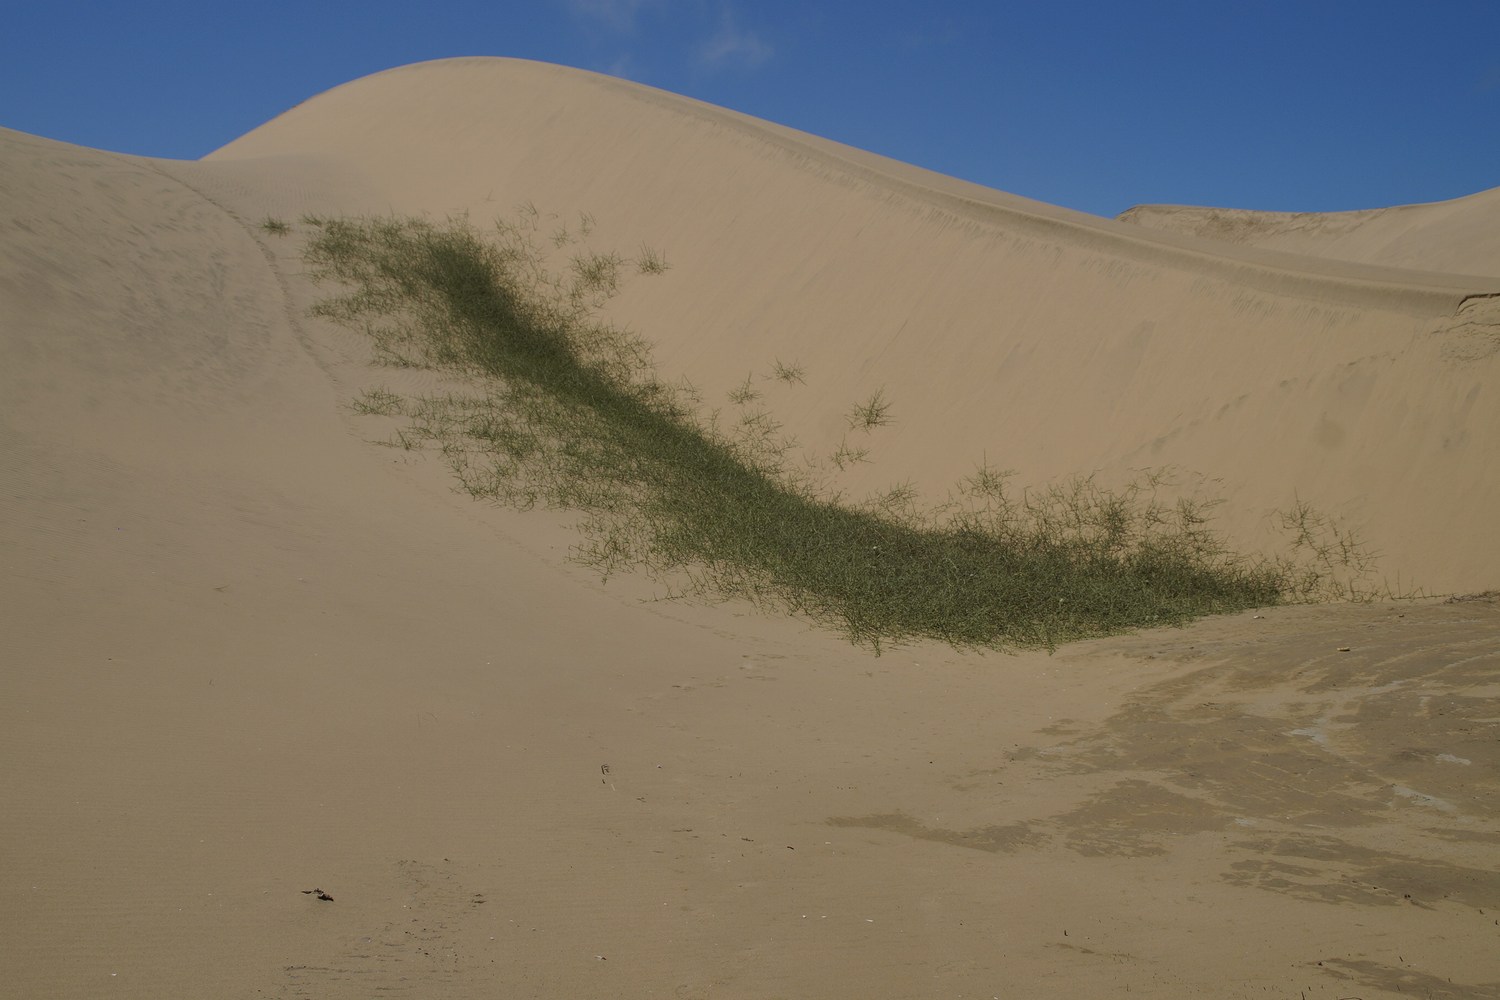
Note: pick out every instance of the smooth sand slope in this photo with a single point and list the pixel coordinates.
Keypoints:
(1461, 236)
(247, 651)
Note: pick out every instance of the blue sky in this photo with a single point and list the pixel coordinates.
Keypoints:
(1299, 105)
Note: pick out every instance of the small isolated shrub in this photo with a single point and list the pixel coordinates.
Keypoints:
(649, 261)
(793, 373)
(275, 227)
(744, 393)
(873, 412)
(846, 455)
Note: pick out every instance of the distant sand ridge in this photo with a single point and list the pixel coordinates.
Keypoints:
(1461, 236)
(248, 652)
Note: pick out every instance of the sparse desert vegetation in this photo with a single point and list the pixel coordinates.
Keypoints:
(568, 411)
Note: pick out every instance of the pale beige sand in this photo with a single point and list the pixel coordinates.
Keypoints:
(248, 652)
(1461, 236)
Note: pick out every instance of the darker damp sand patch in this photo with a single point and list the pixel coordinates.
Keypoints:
(991, 839)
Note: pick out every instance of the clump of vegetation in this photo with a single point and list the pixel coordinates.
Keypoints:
(649, 261)
(790, 374)
(1327, 560)
(873, 412)
(745, 393)
(276, 227)
(378, 403)
(566, 410)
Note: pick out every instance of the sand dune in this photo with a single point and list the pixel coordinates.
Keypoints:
(1461, 236)
(1042, 340)
(248, 652)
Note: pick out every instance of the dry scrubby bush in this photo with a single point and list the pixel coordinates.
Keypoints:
(566, 410)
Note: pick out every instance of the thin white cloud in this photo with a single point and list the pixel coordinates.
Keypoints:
(623, 66)
(615, 23)
(617, 15)
(732, 45)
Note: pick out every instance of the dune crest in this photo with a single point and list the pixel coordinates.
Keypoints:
(1461, 236)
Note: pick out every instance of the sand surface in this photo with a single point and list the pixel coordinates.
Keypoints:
(250, 651)
(1461, 236)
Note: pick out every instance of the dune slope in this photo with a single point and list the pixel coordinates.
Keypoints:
(1461, 236)
(247, 651)
(1002, 330)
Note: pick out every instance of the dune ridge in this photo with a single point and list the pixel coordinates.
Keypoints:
(306, 128)
(1456, 236)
